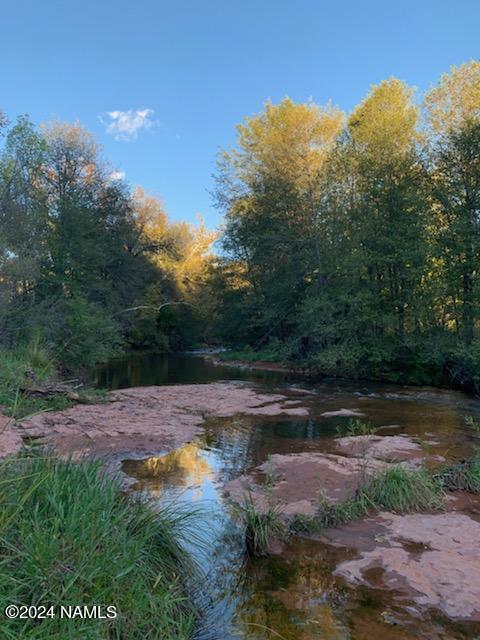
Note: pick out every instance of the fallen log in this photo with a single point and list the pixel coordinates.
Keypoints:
(51, 390)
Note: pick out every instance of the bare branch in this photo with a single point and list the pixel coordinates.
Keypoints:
(144, 306)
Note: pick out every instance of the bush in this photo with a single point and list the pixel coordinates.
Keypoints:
(462, 367)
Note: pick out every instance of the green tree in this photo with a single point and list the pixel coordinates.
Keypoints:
(453, 112)
(269, 187)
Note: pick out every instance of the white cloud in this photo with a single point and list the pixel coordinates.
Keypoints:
(117, 175)
(125, 125)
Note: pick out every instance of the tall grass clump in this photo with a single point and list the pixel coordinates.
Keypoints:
(26, 360)
(473, 425)
(396, 489)
(69, 537)
(20, 367)
(463, 476)
(357, 427)
(261, 525)
(401, 490)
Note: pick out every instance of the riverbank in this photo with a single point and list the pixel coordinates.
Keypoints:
(251, 360)
(163, 428)
(259, 365)
(71, 539)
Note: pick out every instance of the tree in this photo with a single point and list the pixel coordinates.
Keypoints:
(453, 113)
(23, 220)
(269, 188)
(388, 208)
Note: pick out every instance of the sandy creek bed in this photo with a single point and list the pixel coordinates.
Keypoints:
(211, 442)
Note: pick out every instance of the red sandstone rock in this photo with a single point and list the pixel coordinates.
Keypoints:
(433, 559)
(150, 418)
(301, 480)
(388, 448)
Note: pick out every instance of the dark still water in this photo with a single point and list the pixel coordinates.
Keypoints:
(292, 596)
(140, 370)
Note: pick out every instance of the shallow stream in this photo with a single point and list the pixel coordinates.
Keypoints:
(293, 595)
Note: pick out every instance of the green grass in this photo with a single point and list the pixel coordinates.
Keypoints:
(15, 367)
(402, 490)
(68, 536)
(356, 427)
(464, 475)
(30, 366)
(473, 425)
(261, 526)
(396, 489)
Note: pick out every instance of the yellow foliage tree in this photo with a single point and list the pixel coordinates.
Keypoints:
(455, 101)
(287, 140)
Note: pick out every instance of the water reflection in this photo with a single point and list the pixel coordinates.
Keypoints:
(185, 467)
(151, 369)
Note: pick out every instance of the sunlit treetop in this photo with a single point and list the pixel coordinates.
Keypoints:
(150, 216)
(286, 139)
(73, 156)
(384, 124)
(455, 101)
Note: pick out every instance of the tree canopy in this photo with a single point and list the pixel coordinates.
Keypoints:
(77, 249)
(350, 243)
(353, 243)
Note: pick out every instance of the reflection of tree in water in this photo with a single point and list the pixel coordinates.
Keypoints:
(290, 595)
(231, 438)
(243, 442)
(185, 466)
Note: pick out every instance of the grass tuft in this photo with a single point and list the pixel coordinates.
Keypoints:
(473, 425)
(261, 526)
(356, 427)
(396, 489)
(463, 476)
(28, 368)
(18, 366)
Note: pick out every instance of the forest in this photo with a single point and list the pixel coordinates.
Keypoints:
(350, 245)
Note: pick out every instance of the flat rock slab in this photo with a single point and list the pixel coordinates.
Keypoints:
(433, 559)
(388, 448)
(300, 480)
(150, 418)
(343, 413)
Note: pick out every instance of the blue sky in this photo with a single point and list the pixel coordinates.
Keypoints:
(176, 77)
